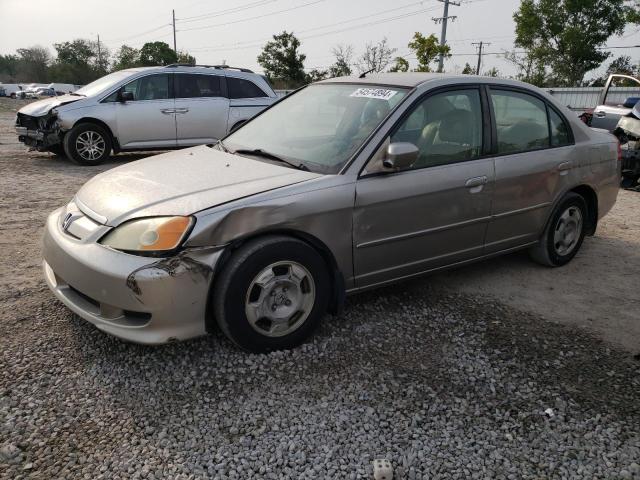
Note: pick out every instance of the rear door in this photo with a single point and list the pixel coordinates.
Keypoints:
(436, 212)
(246, 100)
(201, 108)
(149, 119)
(534, 161)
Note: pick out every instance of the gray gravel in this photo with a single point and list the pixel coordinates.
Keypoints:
(444, 386)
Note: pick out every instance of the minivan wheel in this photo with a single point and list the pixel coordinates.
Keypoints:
(87, 144)
(272, 294)
(564, 234)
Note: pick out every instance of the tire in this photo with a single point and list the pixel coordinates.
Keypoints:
(272, 294)
(564, 234)
(91, 134)
(57, 150)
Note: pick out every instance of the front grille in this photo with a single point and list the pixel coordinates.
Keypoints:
(27, 121)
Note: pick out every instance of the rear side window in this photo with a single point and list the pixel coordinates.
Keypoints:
(239, 88)
(151, 87)
(559, 130)
(195, 86)
(521, 121)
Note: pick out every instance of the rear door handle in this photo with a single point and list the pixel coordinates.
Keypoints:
(168, 111)
(564, 166)
(476, 182)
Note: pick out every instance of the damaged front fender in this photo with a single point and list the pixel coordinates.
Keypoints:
(39, 133)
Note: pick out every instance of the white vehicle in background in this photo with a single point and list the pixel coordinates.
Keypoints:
(145, 108)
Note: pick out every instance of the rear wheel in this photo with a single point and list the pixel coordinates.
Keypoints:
(87, 144)
(272, 294)
(564, 234)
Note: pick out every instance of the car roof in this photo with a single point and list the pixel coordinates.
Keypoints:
(415, 79)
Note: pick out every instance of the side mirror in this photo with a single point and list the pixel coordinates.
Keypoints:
(124, 96)
(631, 102)
(400, 155)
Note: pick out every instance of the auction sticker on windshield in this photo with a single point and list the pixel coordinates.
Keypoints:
(380, 93)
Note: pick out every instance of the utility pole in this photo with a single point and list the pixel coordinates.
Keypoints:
(443, 34)
(480, 44)
(175, 49)
(99, 53)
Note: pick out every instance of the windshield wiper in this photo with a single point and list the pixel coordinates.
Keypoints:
(258, 152)
(221, 145)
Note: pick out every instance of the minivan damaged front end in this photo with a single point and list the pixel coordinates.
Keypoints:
(39, 133)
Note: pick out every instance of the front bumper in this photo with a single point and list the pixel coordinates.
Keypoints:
(139, 299)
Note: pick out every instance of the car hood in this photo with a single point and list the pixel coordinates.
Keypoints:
(180, 183)
(42, 107)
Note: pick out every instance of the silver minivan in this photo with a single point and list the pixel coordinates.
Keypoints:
(145, 108)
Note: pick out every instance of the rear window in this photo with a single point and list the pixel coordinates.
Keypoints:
(239, 88)
(193, 86)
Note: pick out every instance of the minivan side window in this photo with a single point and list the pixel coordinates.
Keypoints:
(239, 88)
(559, 130)
(194, 86)
(151, 87)
(521, 121)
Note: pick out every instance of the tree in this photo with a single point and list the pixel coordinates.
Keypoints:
(79, 62)
(316, 75)
(530, 69)
(468, 69)
(344, 58)
(157, 53)
(33, 64)
(568, 35)
(126, 57)
(376, 57)
(492, 72)
(8, 68)
(184, 57)
(427, 49)
(633, 12)
(621, 65)
(282, 61)
(401, 65)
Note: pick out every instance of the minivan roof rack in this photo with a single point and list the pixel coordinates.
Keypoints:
(225, 67)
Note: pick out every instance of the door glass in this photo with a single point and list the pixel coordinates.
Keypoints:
(193, 86)
(521, 121)
(151, 87)
(239, 88)
(559, 130)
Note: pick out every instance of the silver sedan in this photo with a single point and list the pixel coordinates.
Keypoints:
(345, 185)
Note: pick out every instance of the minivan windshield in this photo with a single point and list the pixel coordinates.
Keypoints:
(102, 84)
(320, 127)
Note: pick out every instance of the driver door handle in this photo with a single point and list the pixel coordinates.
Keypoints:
(476, 181)
(168, 111)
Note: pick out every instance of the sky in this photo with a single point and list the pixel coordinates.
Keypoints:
(234, 31)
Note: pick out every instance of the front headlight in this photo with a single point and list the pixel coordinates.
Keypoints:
(154, 234)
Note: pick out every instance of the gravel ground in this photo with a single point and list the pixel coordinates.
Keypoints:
(442, 382)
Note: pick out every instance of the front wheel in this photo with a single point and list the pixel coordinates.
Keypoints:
(564, 234)
(87, 144)
(272, 294)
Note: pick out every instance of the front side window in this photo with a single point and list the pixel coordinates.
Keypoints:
(320, 126)
(239, 88)
(521, 121)
(446, 128)
(151, 87)
(194, 86)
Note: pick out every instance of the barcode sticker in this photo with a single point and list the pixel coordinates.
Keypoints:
(380, 93)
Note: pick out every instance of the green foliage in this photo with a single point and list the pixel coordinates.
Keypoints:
(401, 65)
(567, 35)
(316, 75)
(530, 69)
(184, 57)
(157, 54)
(468, 70)
(623, 65)
(33, 63)
(126, 57)
(427, 49)
(79, 62)
(344, 58)
(282, 62)
(633, 11)
(8, 68)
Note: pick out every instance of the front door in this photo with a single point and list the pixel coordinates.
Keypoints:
(436, 212)
(147, 121)
(201, 109)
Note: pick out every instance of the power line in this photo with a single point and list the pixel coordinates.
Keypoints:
(121, 39)
(252, 18)
(443, 34)
(219, 13)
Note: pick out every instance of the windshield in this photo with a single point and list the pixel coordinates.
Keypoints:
(103, 83)
(320, 126)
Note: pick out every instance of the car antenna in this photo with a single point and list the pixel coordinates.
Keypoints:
(364, 74)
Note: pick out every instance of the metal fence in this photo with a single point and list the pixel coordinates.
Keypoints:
(584, 98)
